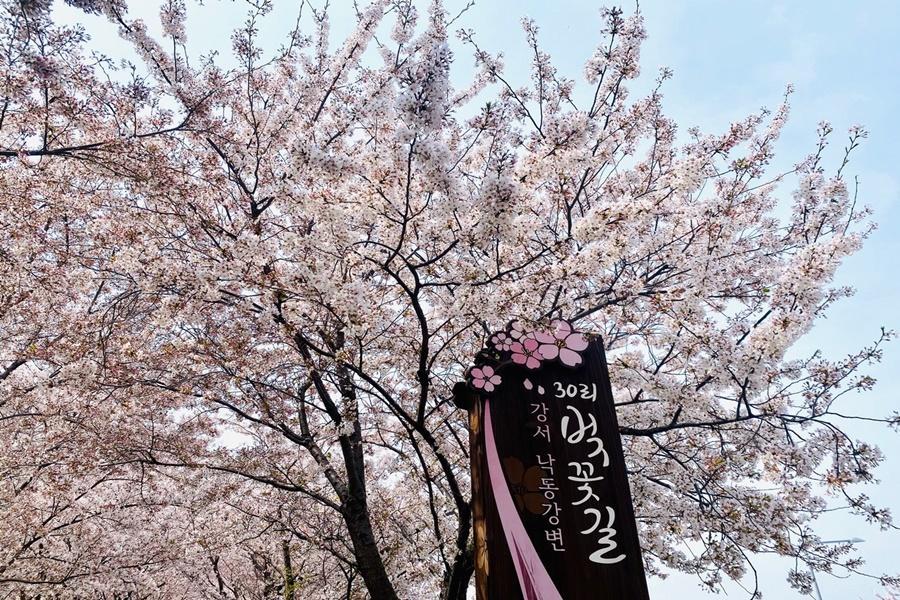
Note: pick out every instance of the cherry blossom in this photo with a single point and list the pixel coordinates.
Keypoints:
(237, 290)
(519, 332)
(502, 341)
(521, 345)
(526, 353)
(561, 342)
(485, 378)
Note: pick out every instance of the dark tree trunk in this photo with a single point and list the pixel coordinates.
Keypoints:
(356, 504)
(365, 550)
(456, 583)
(290, 583)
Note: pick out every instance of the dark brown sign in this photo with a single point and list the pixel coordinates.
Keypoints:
(552, 507)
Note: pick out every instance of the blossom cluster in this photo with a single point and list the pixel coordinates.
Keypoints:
(237, 292)
(528, 346)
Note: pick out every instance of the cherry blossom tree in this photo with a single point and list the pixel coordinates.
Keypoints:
(236, 296)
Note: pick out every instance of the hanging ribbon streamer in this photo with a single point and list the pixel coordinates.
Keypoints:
(534, 580)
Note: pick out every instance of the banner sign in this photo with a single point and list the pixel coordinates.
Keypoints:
(553, 515)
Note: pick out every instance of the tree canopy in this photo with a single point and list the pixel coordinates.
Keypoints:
(234, 301)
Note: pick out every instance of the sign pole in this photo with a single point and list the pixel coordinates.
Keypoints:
(479, 525)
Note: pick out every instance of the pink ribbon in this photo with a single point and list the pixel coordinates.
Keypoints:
(534, 580)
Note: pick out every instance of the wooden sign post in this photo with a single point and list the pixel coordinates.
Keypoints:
(553, 517)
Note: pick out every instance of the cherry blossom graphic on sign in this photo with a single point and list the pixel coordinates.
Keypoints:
(484, 378)
(561, 342)
(502, 341)
(526, 345)
(526, 353)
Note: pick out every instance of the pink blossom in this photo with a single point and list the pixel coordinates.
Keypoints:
(484, 378)
(385, 228)
(517, 331)
(561, 342)
(526, 353)
(501, 341)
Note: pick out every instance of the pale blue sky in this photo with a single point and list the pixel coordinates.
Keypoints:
(729, 59)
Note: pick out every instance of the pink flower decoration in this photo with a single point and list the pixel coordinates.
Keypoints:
(526, 353)
(484, 378)
(502, 342)
(517, 331)
(561, 342)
